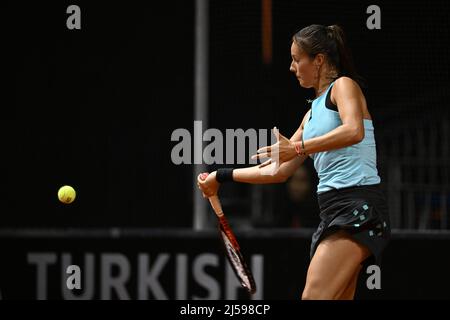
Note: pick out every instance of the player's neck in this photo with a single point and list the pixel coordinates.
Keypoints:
(322, 87)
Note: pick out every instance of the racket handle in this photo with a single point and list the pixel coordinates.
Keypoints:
(215, 204)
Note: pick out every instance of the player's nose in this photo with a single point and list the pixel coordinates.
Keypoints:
(292, 69)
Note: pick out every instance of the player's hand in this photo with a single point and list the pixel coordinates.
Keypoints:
(281, 151)
(208, 184)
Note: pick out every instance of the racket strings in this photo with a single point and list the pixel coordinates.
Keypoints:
(239, 265)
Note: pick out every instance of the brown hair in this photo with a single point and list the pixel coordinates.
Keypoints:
(331, 42)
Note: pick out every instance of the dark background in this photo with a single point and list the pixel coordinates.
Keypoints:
(95, 108)
(414, 266)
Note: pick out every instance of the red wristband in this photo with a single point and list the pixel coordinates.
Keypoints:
(298, 148)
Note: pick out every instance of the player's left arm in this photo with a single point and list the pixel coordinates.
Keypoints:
(349, 99)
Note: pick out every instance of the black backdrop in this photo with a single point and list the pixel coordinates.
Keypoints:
(182, 264)
(95, 108)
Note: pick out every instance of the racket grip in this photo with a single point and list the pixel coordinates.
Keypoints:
(215, 204)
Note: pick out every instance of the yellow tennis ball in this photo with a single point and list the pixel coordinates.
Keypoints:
(66, 194)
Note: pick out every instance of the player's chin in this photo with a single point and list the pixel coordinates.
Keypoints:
(303, 83)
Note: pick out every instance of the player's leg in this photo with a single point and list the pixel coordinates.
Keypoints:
(333, 266)
(349, 292)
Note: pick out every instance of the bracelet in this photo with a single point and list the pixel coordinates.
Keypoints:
(224, 175)
(298, 150)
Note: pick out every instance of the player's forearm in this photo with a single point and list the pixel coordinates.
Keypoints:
(342, 136)
(255, 175)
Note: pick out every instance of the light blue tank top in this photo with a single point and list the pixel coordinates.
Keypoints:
(354, 165)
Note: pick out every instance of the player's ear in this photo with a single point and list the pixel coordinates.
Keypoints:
(319, 59)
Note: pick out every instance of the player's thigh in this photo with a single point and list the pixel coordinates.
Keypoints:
(349, 292)
(335, 262)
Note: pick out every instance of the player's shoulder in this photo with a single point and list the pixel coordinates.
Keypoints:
(305, 117)
(345, 85)
(307, 114)
(345, 81)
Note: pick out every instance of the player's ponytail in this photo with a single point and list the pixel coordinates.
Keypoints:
(344, 59)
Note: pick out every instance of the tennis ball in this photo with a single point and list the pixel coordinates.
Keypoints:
(66, 194)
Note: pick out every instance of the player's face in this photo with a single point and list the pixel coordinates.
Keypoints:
(302, 66)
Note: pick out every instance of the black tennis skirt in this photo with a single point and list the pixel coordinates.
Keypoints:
(361, 211)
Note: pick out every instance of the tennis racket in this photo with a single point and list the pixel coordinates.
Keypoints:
(231, 246)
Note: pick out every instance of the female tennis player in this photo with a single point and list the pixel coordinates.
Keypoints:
(338, 134)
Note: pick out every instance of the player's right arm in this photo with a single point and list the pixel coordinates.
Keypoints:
(255, 174)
